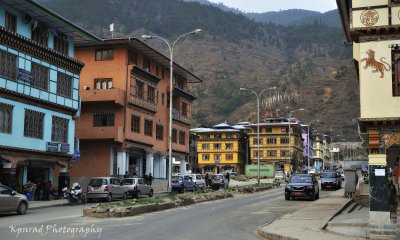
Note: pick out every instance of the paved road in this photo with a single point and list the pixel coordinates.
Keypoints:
(235, 218)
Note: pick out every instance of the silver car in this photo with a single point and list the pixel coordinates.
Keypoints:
(11, 201)
(136, 187)
(198, 179)
(219, 180)
(107, 188)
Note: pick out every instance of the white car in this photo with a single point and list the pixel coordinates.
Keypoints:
(198, 179)
(279, 175)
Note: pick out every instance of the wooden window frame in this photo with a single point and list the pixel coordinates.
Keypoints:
(205, 146)
(148, 127)
(159, 132)
(10, 21)
(182, 136)
(284, 140)
(40, 76)
(103, 119)
(146, 65)
(229, 156)
(151, 94)
(396, 74)
(106, 54)
(64, 85)
(6, 116)
(135, 124)
(272, 153)
(271, 141)
(61, 44)
(33, 124)
(229, 146)
(205, 157)
(8, 65)
(40, 34)
(217, 146)
(174, 135)
(59, 131)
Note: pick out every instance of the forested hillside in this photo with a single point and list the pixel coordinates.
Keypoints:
(307, 62)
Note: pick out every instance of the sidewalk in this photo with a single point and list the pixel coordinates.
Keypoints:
(309, 222)
(46, 204)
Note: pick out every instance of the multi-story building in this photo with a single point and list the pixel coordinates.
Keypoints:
(124, 121)
(372, 27)
(322, 154)
(308, 146)
(39, 97)
(221, 148)
(274, 144)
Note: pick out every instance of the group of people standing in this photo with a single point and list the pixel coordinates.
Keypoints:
(38, 189)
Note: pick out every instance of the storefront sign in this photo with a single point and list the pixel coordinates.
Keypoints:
(57, 147)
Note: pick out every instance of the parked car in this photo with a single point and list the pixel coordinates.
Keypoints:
(199, 180)
(107, 188)
(279, 175)
(302, 186)
(331, 180)
(219, 180)
(182, 184)
(136, 187)
(11, 201)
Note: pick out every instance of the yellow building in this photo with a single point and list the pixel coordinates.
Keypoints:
(274, 143)
(221, 148)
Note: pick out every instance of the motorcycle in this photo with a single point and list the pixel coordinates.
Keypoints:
(75, 194)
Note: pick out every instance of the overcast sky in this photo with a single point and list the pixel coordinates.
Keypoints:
(276, 5)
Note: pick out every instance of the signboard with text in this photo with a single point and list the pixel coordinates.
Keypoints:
(57, 147)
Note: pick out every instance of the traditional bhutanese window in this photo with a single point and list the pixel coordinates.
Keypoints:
(146, 65)
(104, 54)
(40, 76)
(6, 117)
(148, 127)
(271, 153)
(205, 146)
(151, 94)
(11, 22)
(229, 156)
(159, 132)
(229, 145)
(8, 65)
(284, 140)
(174, 135)
(64, 85)
(103, 119)
(33, 124)
(135, 124)
(40, 34)
(61, 44)
(205, 157)
(182, 137)
(396, 74)
(59, 131)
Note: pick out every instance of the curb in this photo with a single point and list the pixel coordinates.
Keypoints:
(274, 236)
(48, 206)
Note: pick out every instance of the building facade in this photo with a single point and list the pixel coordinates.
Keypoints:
(39, 97)
(274, 144)
(373, 29)
(221, 148)
(124, 121)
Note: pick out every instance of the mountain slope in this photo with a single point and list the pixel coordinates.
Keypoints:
(307, 62)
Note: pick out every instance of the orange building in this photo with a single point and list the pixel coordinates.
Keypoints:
(124, 119)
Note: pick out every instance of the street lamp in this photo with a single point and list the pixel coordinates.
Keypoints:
(290, 141)
(258, 95)
(308, 143)
(171, 62)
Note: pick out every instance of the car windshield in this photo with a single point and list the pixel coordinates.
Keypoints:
(301, 179)
(97, 182)
(216, 177)
(128, 181)
(176, 178)
(328, 175)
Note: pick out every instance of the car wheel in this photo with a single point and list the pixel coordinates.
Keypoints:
(109, 198)
(151, 193)
(312, 198)
(287, 197)
(22, 207)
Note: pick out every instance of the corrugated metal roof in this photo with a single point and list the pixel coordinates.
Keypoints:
(53, 20)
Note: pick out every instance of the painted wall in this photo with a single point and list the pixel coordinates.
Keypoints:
(25, 62)
(265, 170)
(376, 97)
(17, 139)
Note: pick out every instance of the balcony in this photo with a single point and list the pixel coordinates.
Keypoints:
(104, 95)
(96, 133)
(176, 115)
(142, 103)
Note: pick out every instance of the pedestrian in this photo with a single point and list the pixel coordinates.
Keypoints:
(207, 178)
(126, 174)
(228, 176)
(47, 191)
(150, 179)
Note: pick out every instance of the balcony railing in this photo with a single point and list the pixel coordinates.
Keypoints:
(176, 115)
(142, 103)
(219, 150)
(104, 95)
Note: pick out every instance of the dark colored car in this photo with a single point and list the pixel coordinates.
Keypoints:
(302, 186)
(331, 180)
